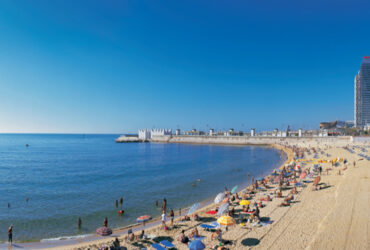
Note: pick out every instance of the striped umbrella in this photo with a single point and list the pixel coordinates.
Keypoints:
(193, 208)
(234, 189)
(104, 231)
(226, 221)
(220, 197)
(144, 218)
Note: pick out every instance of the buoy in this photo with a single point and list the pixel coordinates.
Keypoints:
(121, 212)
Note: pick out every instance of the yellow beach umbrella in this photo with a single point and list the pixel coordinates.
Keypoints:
(244, 202)
(226, 221)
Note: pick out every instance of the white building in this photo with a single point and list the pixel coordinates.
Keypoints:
(144, 134)
(253, 132)
(147, 134)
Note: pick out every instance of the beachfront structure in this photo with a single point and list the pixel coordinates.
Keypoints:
(253, 132)
(211, 132)
(147, 134)
(178, 132)
(362, 94)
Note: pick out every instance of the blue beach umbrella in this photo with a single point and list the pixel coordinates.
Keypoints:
(260, 179)
(234, 189)
(196, 245)
(193, 208)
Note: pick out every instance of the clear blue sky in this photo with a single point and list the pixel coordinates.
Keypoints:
(115, 66)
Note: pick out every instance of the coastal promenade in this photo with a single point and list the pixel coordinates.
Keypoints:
(255, 140)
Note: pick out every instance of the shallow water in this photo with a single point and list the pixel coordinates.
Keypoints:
(71, 176)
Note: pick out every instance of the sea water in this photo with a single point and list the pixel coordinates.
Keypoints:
(66, 177)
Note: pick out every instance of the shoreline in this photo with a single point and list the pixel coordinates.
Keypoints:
(69, 241)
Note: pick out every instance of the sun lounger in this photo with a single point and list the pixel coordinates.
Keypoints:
(158, 247)
(167, 244)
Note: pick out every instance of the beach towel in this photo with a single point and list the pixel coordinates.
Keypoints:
(158, 247)
(207, 227)
(212, 212)
(167, 244)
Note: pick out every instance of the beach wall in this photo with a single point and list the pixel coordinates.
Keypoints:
(248, 140)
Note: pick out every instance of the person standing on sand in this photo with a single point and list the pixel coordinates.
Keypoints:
(354, 163)
(172, 215)
(164, 218)
(106, 222)
(10, 234)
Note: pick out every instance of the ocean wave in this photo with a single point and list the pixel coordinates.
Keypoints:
(75, 237)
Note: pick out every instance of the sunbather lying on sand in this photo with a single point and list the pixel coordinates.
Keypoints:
(267, 198)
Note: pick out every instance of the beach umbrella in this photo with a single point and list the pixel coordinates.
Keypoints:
(193, 208)
(297, 168)
(261, 179)
(244, 202)
(104, 231)
(196, 245)
(234, 189)
(223, 208)
(220, 197)
(274, 174)
(226, 221)
(143, 219)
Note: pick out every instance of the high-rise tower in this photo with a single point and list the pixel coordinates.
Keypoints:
(362, 94)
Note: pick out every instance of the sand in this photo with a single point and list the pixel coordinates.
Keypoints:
(337, 217)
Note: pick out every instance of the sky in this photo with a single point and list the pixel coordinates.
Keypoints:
(117, 66)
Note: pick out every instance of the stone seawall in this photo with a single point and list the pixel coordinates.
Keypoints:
(247, 140)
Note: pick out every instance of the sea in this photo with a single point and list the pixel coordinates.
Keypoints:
(46, 186)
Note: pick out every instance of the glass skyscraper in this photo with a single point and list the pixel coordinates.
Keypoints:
(362, 94)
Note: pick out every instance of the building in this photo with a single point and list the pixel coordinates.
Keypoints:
(147, 134)
(362, 94)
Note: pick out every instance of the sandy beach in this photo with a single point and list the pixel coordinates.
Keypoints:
(314, 219)
(334, 217)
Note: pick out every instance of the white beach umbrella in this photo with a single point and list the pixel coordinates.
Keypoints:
(219, 198)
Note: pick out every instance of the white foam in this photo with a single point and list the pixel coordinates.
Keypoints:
(66, 238)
